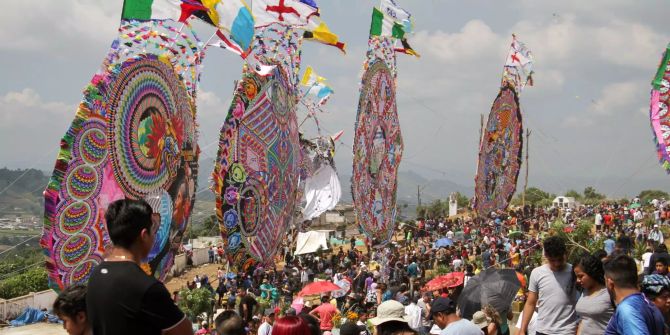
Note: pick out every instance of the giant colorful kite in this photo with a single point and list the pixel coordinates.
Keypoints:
(134, 136)
(658, 111)
(502, 139)
(378, 142)
(256, 171)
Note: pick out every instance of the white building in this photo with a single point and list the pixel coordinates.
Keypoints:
(564, 202)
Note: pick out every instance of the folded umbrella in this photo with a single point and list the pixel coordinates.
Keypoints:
(318, 288)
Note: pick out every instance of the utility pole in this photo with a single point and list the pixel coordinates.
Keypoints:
(418, 195)
(525, 184)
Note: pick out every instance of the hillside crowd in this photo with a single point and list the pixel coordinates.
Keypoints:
(612, 280)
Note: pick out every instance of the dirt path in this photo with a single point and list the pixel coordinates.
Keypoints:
(36, 329)
(175, 284)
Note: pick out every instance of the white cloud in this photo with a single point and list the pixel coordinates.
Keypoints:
(30, 126)
(633, 44)
(574, 121)
(26, 106)
(615, 97)
(32, 25)
(473, 40)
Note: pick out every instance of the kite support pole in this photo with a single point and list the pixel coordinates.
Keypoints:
(525, 184)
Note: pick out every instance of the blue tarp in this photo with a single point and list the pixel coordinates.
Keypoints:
(443, 242)
(29, 316)
(336, 241)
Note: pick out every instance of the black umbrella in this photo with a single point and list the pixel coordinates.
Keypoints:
(469, 301)
(495, 287)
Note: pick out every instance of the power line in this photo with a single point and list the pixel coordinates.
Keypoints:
(7, 275)
(25, 172)
(15, 246)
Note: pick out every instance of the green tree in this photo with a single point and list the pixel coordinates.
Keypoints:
(421, 211)
(573, 194)
(648, 195)
(436, 209)
(578, 241)
(33, 280)
(534, 195)
(590, 193)
(196, 302)
(463, 201)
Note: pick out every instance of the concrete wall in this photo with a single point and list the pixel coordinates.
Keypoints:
(200, 257)
(179, 265)
(12, 308)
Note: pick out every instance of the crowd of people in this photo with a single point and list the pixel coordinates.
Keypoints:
(610, 290)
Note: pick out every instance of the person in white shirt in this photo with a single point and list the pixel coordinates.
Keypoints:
(457, 262)
(450, 234)
(656, 235)
(598, 221)
(646, 258)
(413, 312)
(266, 327)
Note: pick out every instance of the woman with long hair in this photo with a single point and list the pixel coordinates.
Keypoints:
(594, 306)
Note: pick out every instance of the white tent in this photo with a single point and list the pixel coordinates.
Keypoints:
(309, 242)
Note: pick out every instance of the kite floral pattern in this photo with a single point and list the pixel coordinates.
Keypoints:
(658, 111)
(134, 136)
(499, 154)
(377, 149)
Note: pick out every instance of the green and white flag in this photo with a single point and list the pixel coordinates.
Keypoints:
(384, 25)
(151, 10)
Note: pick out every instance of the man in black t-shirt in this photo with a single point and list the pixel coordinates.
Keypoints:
(122, 299)
(247, 305)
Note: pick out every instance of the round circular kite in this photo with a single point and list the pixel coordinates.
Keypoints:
(257, 168)
(133, 137)
(499, 154)
(377, 153)
(658, 111)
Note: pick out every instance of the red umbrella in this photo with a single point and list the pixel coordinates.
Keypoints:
(318, 288)
(452, 279)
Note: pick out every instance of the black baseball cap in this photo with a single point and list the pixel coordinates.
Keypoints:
(350, 328)
(444, 305)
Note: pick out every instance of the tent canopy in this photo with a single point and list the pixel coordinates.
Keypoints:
(309, 242)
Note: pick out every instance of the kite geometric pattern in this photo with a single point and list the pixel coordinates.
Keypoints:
(133, 137)
(499, 154)
(256, 171)
(377, 152)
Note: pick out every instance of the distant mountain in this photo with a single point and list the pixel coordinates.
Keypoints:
(431, 189)
(21, 192)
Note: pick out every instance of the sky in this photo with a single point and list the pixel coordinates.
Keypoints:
(588, 110)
